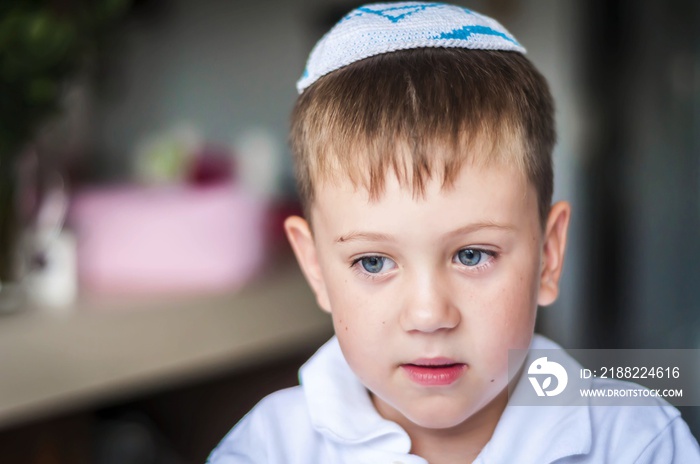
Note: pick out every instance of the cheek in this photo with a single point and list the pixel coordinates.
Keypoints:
(350, 295)
(362, 324)
(518, 311)
(356, 310)
(504, 318)
(362, 336)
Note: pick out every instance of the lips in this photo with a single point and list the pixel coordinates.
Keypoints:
(434, 371)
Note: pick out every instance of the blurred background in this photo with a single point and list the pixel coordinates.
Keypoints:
(148, 297)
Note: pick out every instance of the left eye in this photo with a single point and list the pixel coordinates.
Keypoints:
(471, 257)
(373, 264)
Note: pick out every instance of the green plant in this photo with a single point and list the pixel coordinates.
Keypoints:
(42, 44)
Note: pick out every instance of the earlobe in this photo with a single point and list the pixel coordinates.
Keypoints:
(302, 242)
(553, 252)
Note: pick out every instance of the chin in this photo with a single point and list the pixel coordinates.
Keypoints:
(438, 423)
(445, 417)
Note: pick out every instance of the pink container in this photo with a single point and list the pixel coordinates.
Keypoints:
(167, 239)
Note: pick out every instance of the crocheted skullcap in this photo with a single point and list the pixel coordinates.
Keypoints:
(386, 27)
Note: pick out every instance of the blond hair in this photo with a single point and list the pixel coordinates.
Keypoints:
(419, 113)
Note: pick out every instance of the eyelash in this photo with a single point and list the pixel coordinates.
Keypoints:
(356, 265)
(492, 255)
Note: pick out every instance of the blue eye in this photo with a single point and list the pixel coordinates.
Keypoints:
(373, 264)
(470, 256)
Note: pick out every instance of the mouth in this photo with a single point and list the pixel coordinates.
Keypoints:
(434, 371)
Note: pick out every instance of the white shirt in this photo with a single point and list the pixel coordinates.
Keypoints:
(330, 419)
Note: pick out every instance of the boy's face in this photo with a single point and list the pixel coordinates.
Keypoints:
(428, 294)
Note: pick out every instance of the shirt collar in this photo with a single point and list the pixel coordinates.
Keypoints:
(340, 406)
(542, 434)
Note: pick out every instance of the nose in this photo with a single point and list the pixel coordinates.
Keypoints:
(428, 306)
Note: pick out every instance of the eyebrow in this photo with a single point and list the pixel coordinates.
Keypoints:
(465, 230)
(468, 229)
(364, 236)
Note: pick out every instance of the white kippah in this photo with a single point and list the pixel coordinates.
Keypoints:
(386, 27)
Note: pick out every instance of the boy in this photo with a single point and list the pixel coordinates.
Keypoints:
(423, 141)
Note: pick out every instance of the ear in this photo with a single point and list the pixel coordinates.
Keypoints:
(553, 252)
(302, 241)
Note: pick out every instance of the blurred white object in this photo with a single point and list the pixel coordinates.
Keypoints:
(52, 281)
(259, 161)
(54, 286)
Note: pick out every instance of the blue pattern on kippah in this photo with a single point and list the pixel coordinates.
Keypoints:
(463, 33)
(385, 12)
(386, 27)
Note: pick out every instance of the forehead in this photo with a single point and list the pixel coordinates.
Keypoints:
(480, 194)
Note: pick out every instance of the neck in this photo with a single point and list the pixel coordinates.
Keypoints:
(461, 443)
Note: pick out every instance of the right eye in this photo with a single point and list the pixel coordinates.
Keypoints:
(374, 264)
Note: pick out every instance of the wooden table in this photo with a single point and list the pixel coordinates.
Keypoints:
(104, 351)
